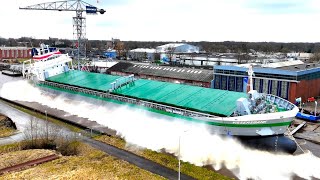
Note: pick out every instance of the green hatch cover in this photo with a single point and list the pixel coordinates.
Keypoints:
(213, 101)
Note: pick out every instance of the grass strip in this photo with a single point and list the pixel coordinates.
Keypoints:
(6, 132)
(164, 159)
(18, 157)
(90, 163)
(161, 158)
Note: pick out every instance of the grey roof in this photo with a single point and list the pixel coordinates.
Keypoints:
(201, 75)
(300, 67)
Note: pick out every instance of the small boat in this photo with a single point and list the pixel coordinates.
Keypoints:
(307, 115)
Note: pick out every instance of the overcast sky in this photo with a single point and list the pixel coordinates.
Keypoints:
(172, 20)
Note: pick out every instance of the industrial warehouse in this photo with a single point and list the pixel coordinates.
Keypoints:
(14, 52)
(289, 80)
(180, 75)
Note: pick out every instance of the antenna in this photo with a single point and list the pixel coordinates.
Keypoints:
(250, 73)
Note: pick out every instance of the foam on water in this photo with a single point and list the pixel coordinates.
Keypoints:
(144, 129)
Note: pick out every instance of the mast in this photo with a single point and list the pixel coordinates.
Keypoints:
(250, 73)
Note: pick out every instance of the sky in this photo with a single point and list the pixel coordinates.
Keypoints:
(172, 20)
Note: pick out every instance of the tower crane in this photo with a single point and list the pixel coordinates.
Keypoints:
(79, 21)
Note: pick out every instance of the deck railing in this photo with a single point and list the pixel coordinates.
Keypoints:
(106, 94)
(280, 101)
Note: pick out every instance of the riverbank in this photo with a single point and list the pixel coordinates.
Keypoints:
(187, 168)
(90, 163)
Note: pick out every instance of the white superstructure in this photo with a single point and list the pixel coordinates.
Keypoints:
(45, 62)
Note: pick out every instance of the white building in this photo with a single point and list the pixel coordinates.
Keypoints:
(142, 54)
(300, 56)
(178, 48)
(175, 48)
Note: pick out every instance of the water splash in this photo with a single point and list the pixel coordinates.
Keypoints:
(156, 132)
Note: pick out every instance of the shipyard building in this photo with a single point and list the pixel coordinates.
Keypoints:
(289, 80)
(14, 52)
(195, 77)
(172, 49)
(178, 48)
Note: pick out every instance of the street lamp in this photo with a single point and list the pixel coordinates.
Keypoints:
(179, 158)
(179, 155)
(47, 131)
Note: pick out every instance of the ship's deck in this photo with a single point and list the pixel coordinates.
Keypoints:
(212, 101)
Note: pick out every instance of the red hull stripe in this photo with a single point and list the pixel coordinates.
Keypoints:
(45, 56)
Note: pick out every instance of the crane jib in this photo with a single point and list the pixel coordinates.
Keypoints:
(91, 10)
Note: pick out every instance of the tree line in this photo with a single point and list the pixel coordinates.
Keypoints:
(205, 46)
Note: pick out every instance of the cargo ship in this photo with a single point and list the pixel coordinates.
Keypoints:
(250, 114)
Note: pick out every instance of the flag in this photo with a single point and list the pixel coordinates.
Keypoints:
(245, 80)
(298, 99)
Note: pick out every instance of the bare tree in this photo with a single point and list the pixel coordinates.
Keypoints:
(119, 47)
(41, 134)
(315, 57)
(156, 56)
(32, 131)
(170, 51)
(68, 145)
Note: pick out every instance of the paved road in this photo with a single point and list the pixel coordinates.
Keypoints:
(22, 120)
(136, 160)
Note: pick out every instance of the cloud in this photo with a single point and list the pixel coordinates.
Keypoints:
(173, 20)
(282, 7)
